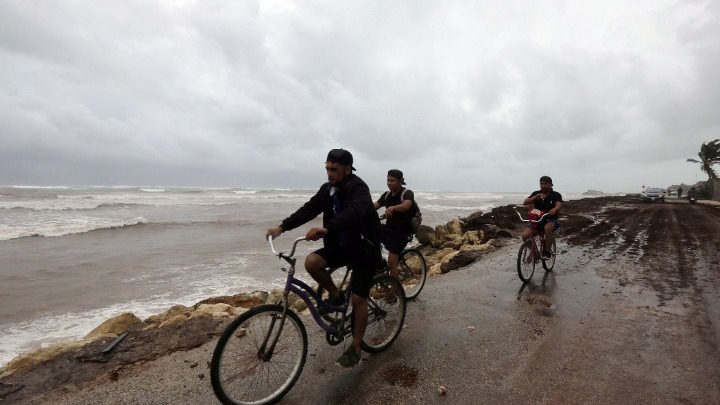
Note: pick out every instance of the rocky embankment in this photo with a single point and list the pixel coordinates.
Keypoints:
(126, 341)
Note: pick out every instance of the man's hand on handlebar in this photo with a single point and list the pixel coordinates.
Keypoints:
(274, 232)
(316, 233)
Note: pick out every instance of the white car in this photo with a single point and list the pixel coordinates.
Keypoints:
(672, 191)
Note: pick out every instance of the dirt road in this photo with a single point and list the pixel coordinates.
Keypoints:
(631, 314)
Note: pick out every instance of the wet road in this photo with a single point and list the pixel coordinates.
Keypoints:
(630, 315)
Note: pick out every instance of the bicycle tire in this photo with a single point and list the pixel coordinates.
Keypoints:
(412, 270)
(239, 376)
(548, 264)
(526, 261)
(386, 316)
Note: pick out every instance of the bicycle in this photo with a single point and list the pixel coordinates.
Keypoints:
(412, 269)
(260, 355)
(412, 273)
(530, 253)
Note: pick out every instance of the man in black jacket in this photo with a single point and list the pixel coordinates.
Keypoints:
(350, 232)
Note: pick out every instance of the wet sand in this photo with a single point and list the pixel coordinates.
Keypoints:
(629, 315)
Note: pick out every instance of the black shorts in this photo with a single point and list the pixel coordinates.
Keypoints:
(364, 259)
(395, 241)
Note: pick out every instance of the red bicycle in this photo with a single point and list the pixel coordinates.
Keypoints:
(530, 251)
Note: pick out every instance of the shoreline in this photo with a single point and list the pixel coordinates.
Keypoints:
(625, 292)
(53, 348)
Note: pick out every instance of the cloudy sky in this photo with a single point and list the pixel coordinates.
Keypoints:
(461, 95)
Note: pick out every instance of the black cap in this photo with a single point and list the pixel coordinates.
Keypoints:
(396, 174)
(340, 156)
(546, 178)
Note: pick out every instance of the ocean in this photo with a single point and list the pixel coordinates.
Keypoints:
(72, 257)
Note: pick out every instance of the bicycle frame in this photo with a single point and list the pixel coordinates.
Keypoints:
(305, 292)
(536, 242)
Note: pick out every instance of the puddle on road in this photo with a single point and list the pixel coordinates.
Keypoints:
(399, 374)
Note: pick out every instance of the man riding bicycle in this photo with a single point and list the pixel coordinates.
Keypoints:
(396, 232)
(351, 236)
(548, 201)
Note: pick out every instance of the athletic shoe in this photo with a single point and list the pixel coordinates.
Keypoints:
(334, 301)
(546, 255)
(349, 358)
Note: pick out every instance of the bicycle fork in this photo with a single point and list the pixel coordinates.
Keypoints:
(267, 348)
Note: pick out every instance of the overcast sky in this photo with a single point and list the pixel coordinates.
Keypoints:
(461, 95)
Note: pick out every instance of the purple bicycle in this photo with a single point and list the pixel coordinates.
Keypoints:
(261, 354)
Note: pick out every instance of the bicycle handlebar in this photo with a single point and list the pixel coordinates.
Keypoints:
(530, 220)
(281, 254)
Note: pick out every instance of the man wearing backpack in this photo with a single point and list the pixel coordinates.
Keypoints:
(400, 208)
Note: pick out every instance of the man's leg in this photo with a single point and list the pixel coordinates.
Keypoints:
(360, 308)
(393, 259)
(527, 234)
(549, 235)
(316, 265)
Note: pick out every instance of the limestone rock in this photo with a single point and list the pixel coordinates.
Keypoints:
(434, 270)
(455, 226)
(485, 246)
(173, 312)
(239, 300)
(426, 235)
(459, 259)
(174, 320)
(117, 325)
(215, 310)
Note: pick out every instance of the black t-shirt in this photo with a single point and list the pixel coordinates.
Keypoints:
(548, 202)
(399, 220)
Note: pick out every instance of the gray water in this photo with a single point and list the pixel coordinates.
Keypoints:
(72, 257)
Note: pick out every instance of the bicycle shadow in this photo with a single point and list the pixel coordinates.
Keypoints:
(539, 293)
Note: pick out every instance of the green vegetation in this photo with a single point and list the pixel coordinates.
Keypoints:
(709, 155)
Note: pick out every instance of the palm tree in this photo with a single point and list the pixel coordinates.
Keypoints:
(709, 155)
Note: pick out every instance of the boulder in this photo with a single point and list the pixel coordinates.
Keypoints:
(460, 259)
(455, 226)
(441, 232)
(426, 235)
(215, 310)
(173, 312)
(174, 320)
(246, 300)
(434, 270)
(26, 360)
(117, 325)
(471, 238)
(480, 248)
(454, 241)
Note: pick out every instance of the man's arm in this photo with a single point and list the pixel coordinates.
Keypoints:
(555, 209)
(304, 214)
(403, 207)
(534, 196)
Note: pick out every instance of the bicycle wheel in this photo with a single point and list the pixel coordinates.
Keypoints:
(242, 372)
(548, 264)
(412, 271)
(526, 261)
(386, 314)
